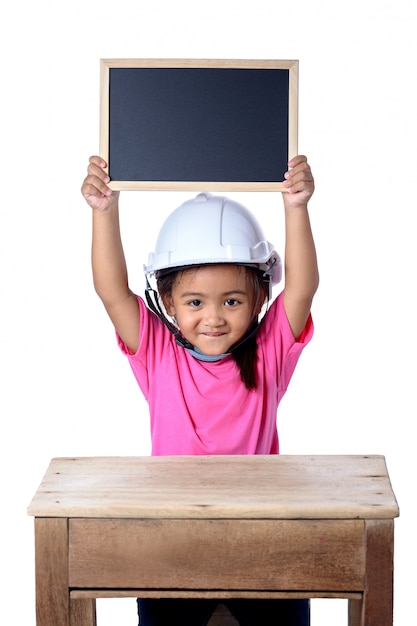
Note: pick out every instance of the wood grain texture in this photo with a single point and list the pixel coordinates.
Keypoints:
(237, 554)
(83, 612)
(51, 568)
(251, 487)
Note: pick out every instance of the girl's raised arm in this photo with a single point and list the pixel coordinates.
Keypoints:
(108, 259)
(301, 271)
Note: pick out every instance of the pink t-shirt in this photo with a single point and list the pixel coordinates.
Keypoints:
(198, 407)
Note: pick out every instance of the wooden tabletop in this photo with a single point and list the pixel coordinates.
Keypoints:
(227, 487)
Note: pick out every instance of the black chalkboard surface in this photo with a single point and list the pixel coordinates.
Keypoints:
(193, 124)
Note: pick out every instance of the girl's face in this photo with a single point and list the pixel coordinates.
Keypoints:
(213, 306)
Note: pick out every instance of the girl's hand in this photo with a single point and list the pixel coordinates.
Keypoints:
(299, 183)
(94, 188)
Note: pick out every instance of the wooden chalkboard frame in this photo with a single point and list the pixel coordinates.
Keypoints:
(289, 102)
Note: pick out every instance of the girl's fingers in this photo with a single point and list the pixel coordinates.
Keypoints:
(98, 172)
(297, 160)
(97, 161)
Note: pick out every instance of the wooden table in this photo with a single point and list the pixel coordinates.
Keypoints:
(214, 526)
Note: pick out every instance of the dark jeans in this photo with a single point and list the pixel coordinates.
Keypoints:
(190, 612)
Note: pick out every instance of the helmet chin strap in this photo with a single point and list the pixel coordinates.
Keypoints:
(152, 299)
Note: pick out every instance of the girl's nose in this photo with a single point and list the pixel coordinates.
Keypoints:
(213, 316)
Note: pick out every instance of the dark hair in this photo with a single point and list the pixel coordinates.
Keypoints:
(245, 353)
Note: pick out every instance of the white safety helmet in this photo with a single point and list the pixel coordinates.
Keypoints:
(213, 229)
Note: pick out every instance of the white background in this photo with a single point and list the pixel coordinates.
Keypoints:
(65, 389)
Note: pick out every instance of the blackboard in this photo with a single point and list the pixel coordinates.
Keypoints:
(198, 124)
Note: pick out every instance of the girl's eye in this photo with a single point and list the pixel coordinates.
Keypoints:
(195, 303)
(231, 302)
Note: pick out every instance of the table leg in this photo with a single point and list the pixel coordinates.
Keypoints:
(83, 612)
(376, 607)
(355, 612)
(51, 569)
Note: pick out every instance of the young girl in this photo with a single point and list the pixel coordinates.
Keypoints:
(211, 364)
